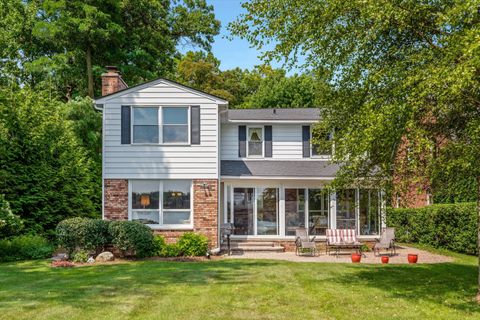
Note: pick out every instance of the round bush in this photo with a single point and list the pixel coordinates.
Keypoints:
(83, 234)
(132, 238)
(193, 244)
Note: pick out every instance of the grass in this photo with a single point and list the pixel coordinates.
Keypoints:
(239, 289)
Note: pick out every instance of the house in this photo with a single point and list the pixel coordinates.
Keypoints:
(179, 160)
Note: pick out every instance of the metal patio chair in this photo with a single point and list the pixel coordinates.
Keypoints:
(387, 242)
(304, 243)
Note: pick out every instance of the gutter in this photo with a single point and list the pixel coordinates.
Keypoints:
(98, 107)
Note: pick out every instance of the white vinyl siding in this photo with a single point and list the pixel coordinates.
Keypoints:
(161, 161)
(286, 142)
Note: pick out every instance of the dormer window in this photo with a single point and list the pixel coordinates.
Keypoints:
(255, 142)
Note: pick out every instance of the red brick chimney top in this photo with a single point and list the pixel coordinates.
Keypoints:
(112, 81)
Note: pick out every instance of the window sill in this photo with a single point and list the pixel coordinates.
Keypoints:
(171, 227)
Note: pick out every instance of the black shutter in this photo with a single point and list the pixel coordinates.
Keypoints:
(195, 125)
(306, 141)
(268, 141)
(242, 141)
(125, 125)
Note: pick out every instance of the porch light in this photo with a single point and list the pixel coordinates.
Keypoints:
(145, 200)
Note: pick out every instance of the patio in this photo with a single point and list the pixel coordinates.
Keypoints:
(424, 257)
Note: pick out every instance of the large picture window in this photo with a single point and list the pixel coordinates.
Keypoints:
(255, 142)
(145, 125)
(161, 202)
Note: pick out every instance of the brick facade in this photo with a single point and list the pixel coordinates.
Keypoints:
(205, 212)
(205, 208)
(116, 199)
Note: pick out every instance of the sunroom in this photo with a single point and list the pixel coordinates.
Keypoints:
(273, 207)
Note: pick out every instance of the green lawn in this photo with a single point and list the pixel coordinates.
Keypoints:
(239, 289)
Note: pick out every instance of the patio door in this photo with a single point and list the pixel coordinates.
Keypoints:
(255, 211)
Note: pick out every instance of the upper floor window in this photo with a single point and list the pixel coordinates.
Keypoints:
(255, 142)
(174, 125)
(324, 148)
(145, 125)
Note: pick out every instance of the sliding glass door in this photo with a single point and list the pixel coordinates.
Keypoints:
(243, 205)
(294, 210)
(346, 202)
(267, 211)
(318, 211)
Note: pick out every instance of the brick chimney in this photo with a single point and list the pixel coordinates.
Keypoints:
(112, 81)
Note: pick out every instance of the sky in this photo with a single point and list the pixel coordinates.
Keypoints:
(232, 53)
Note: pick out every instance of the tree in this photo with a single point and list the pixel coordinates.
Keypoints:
(45, 172)
(66, 44)
(404, 78)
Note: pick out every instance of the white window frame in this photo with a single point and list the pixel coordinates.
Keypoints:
(188, 125)
(160, 209)
(263, 142)
(160, 126)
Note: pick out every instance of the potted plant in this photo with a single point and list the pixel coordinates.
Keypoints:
(385, 259)
(356, 257)
(412, 258)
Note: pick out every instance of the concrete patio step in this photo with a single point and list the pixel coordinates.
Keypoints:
(254, 246)
(252, 243)
(258, 249)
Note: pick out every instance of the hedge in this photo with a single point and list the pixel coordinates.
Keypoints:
(447, 226)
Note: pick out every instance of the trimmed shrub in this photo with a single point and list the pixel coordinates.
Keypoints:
(132, 238)
(25, 248)
(83, 234)
(193, 244)
(10, 224)
(447, 226)
(162, 249)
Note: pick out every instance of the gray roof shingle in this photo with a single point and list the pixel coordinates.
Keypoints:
(265, 168)
(279, 114)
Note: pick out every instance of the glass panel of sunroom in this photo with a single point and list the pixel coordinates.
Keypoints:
(318, 209)
(243, 211)
(294, 210)
(369, 212)
(267, 211)
(346, 209)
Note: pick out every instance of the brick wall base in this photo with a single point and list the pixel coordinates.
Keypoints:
(205, 208)
(116, 199)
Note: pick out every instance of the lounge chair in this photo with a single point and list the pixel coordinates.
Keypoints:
(387, 242)
(304, 243)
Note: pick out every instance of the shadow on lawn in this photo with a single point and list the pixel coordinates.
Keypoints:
(449, 284)
(35, 282)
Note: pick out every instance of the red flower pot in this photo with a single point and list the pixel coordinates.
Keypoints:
(412, 258)
(356, 257)
(385, 259)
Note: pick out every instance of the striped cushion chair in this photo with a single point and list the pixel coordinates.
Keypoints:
(334, 240)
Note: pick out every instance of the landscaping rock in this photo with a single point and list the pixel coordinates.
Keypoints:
(105, 256)
(90, 260)
(60, 257)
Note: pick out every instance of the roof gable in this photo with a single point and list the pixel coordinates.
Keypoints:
(158, 82)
